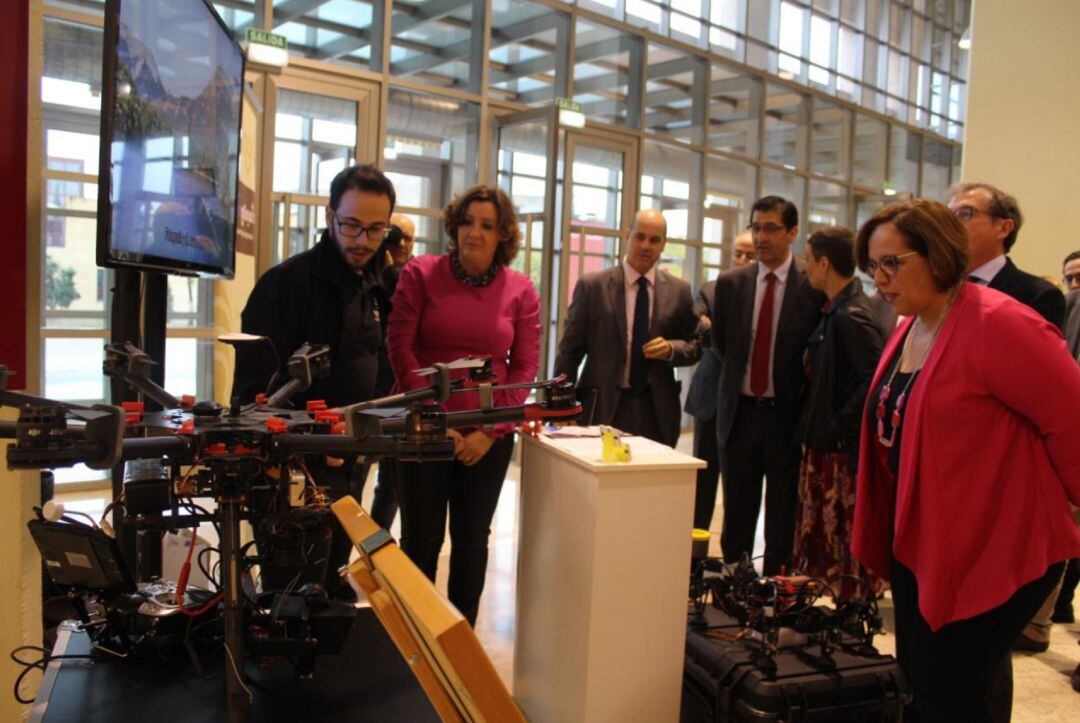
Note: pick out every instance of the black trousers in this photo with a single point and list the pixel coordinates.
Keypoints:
(963, 672)
(759, 447)
(1068, 586)
(425, 490)
(636, 414)
(707, 449)
(384, 506)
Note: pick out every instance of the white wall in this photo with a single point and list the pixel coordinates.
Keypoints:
(1023, 120)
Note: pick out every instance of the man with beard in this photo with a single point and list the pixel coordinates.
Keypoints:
(332, 294)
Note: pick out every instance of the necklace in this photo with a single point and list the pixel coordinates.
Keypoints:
(898, 410)
(465, 277)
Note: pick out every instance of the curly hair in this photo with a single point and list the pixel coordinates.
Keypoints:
(508, 232)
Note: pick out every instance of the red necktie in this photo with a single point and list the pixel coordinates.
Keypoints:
(759, 361)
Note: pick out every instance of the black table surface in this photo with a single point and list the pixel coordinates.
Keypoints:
(367, 681)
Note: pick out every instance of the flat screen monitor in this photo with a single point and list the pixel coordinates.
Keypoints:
(170, 138)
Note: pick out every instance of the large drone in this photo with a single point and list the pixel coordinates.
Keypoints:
(251, 459)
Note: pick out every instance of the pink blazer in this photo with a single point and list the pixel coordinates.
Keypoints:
(989, 461)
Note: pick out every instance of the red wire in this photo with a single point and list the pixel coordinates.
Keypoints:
(182, 580)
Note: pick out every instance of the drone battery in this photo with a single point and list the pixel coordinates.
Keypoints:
(147, 487)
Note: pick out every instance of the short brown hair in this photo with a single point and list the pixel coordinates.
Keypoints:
(1002, 205)
(507, 229)
(931, 230)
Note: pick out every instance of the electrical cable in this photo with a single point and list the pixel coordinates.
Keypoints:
(93, 522)
(42, 664)
(239, 678)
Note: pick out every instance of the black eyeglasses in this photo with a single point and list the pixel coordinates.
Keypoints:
(766, 228)
(889, 265)
(352, 229)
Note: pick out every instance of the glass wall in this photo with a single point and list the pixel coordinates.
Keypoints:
(840, 105)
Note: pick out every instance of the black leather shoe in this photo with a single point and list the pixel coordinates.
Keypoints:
(1064, 615)
(1024, 644)
(1075, 679)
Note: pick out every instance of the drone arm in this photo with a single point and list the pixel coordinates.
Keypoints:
(285, 392)
(481, 417)
(333, 444)
(173, 446)
(148, 389)
(132, 365)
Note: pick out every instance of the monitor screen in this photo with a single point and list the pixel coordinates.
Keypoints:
(170, 138)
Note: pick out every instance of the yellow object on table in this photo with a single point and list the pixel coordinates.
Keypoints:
(614, 449)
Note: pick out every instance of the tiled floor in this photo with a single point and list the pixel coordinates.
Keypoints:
(1042, 693)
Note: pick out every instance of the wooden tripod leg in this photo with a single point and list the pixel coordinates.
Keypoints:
(407, 645)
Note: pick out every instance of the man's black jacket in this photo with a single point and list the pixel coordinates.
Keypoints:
(316, 297)
(1039, 294)
(841, 354)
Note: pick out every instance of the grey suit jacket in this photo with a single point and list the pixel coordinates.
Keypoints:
(733, 310)
(596, 331)
(1072, 323)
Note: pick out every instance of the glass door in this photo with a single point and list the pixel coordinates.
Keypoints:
(568, 228)
(315, 128)
(528, 168)
(598, 206)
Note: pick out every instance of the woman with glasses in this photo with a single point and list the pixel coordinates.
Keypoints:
(467, 302)
(969, 458)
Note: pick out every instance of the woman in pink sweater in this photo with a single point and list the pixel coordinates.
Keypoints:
(465, 302)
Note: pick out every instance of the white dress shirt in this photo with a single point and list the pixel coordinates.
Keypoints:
(632, 276)
(986, 273)
(778, 300)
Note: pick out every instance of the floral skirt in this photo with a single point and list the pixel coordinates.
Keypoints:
(824, 524)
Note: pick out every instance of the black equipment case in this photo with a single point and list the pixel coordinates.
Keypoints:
(732, 680)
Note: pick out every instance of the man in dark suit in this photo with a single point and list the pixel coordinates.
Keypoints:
(632, 324)
(1072, 323)
(1063, 606)
(701, 398)
(992, 219)
(763, 315)
(1070, 272)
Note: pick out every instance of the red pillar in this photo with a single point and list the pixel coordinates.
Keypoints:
(14, 53)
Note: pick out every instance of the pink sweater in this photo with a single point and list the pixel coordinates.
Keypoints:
(437, 318)
(989, 461)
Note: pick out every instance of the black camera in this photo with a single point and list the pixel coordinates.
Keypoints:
(394, 236)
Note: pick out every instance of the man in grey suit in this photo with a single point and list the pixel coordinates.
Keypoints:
(701, 397)
(763, 315)
(632, 324)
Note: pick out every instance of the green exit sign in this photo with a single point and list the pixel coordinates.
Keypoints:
(264, 38)
(568, 104)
